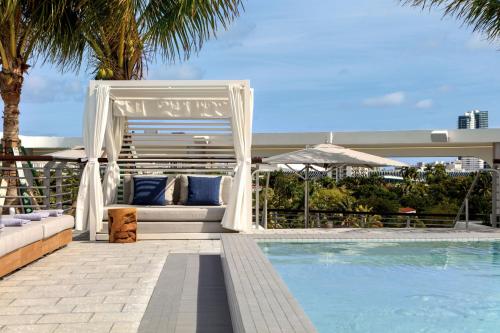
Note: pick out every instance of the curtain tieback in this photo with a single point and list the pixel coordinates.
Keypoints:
(92, 160)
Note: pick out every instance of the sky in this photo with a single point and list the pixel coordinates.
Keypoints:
(317, 65)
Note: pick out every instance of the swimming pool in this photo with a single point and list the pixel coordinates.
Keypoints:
(393, 287)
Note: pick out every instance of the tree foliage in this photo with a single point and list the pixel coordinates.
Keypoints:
(435, 193)
(482, 15)
(119, 37)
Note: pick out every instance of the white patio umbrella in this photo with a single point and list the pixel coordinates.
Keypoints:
(328, 155)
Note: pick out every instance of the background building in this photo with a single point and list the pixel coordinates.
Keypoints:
(474, 119)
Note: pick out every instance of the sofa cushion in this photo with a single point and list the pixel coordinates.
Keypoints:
(149, 191)
(53, 225)
(182, 187)
(226, 185)
(128, 188)
(204, 191)
(13, 238)
(174, 213)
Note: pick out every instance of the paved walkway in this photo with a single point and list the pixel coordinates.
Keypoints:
(89, 287)
(190, 297)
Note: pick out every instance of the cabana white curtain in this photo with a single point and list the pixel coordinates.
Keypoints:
(113, 140)
(238, 211)
(90, 200)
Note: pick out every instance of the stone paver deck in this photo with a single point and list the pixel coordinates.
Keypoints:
(89, 287)
(102, 287)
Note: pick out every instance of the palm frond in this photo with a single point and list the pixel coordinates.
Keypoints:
(482, 15)
(179, 28)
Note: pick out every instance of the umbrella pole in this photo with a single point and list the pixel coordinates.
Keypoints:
(264, 213)
(306, 198)
(257, 199)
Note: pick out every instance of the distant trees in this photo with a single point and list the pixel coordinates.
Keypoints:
(335, 198)
(436, 192)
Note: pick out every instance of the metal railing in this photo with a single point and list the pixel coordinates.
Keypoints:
(290, 219)
(29, 183)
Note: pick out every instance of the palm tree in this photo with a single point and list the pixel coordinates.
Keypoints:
(28, 29)
(482, 15)
(122, 35)
(115, 35)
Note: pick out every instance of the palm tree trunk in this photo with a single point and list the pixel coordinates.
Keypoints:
(10, 89)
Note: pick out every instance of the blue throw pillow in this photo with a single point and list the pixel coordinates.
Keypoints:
(203, 191)
(149, 191)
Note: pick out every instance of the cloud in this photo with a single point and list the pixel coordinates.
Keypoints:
(176, 72)
(424, 104)
(445, 88)
(236, 34)
(392, 99)
(47, 89)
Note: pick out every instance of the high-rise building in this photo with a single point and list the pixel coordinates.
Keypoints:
(464, 122)
(474, 119)
(481, 119)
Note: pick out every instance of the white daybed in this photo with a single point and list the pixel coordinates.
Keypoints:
(167, 128)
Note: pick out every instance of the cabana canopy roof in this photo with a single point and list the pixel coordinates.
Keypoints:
(331, 154)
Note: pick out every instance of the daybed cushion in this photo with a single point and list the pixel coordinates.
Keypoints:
(174, 213)
(174, 188)
(204, 191)
(149, 191)
(53, 225)
(13, 238)
(128, 188)
(183, 188)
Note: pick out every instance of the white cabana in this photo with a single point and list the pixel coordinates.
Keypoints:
(123, 116)
(327, 156)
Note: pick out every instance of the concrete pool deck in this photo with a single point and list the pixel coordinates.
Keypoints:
(89, 287)
(102, 287)
(382, 234)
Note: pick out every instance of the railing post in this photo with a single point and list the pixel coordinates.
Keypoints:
(467, 214)
(46, 184)
(306, 197)
(408, 221)
(318, 220)
(495, 198)
(59, 187)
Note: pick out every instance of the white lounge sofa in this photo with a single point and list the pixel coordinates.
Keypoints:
(175, 218)
(21, 245)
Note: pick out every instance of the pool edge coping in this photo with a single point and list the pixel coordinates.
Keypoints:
(259, 300)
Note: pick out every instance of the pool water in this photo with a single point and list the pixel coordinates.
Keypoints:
(393, 287)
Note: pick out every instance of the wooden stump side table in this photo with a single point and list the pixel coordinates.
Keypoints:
(122, 225)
